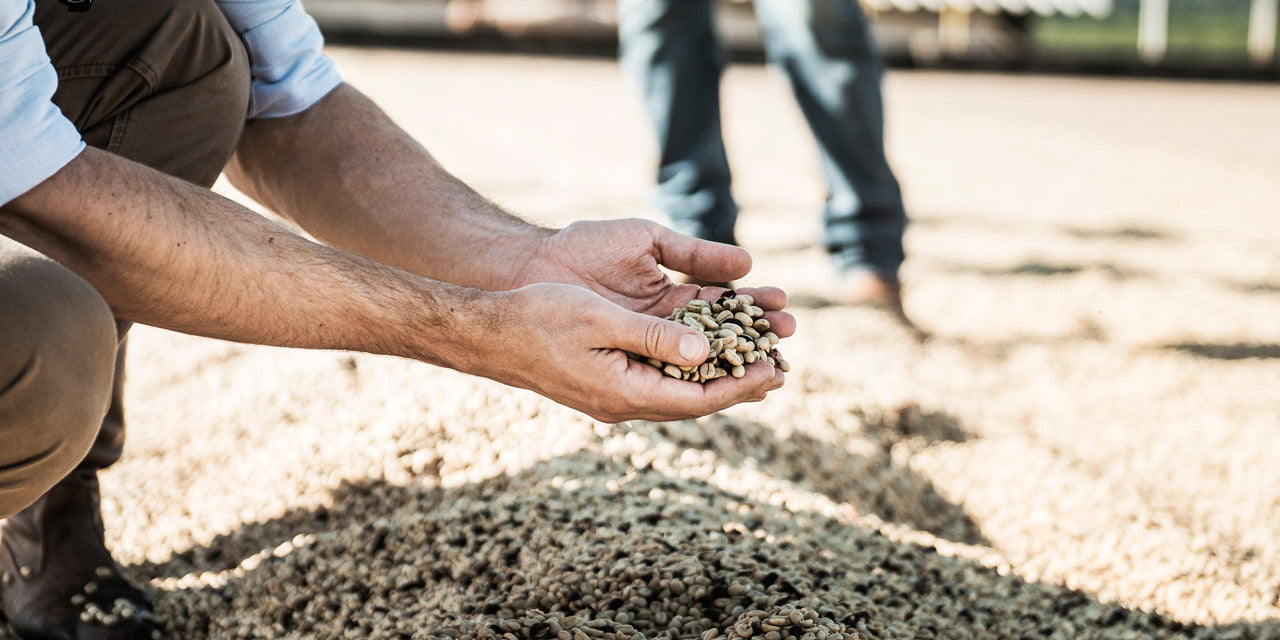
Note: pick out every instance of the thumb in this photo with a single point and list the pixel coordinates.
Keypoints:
(665, 340)
(711, 261)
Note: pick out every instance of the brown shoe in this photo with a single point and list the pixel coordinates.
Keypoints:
(57, 580)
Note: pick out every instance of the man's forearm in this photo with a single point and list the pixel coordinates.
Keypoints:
(352, 178)
(171, 254)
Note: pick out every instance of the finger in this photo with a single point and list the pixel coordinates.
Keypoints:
(711, 261)
(772, 300)
(767, 298)
(781, 323)
(671, 399)
(679, 295)
(759, 380)
(653, 337)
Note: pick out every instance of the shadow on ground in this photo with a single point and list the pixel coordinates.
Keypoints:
(865, 476)
(587, 535)
(1121, 233)
(1033, 268)
(1266, 288)
(1236, 351)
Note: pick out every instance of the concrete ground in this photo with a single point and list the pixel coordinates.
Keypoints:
(1089, 439)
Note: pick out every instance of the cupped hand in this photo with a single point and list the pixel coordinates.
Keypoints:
(570, 345)
(621, 260)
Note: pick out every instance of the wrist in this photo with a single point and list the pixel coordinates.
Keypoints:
(541, 262)
(447, 325)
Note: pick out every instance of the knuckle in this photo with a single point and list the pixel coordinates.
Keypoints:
(653, 337)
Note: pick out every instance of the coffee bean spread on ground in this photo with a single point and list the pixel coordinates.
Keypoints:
(739, 335)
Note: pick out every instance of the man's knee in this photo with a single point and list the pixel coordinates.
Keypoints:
(56, 369)
(193, 122)
(162, 83)
(194, 46)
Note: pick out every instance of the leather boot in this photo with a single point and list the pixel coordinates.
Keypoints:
(57, 580)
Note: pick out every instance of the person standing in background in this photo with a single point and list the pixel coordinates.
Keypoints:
(670, 49)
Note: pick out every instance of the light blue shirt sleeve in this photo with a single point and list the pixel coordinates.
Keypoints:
(290, 72)
(36, 140)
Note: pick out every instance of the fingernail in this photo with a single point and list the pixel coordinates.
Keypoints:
(691, 346)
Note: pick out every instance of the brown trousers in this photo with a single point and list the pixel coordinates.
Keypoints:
(161, 82)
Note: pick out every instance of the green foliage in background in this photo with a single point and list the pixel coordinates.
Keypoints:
(1202, 34)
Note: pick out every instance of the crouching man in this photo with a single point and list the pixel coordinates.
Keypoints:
(116, 117)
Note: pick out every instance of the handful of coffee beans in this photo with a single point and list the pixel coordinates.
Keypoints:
(738, 332)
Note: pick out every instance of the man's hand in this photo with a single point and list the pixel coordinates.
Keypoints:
(368, 188)
(620, 260)
(570, 345)
(168, 253)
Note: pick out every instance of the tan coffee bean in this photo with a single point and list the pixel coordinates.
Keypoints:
(737, 335)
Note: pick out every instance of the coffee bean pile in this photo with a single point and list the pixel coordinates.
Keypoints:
(589, 547)
(334, 501)
(783, 623)
(739, 335)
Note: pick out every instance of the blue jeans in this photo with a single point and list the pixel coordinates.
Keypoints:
(670, 49)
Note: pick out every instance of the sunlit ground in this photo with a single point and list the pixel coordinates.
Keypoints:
(1098, 408)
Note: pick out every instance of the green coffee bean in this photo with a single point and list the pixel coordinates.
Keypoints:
(737, 333)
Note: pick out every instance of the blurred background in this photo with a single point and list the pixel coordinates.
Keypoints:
(1216, 37)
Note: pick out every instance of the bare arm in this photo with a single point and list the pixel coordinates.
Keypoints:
(348, 175)
(354, 179)
(171, 254)
(168, 253)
